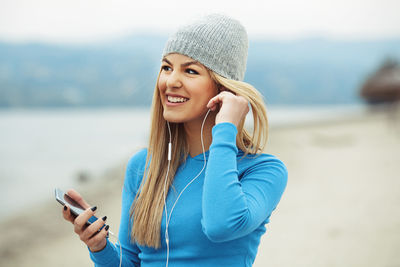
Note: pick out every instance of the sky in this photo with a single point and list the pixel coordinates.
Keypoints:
(80, 21)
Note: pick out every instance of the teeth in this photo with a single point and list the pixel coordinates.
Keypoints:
(174, 99)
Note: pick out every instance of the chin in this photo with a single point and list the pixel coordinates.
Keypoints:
(171, 118)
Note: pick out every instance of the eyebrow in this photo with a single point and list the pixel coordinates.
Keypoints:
(195, 62)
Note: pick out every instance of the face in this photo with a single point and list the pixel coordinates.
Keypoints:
(185, 87)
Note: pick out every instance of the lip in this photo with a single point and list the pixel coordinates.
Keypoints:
(169, 104)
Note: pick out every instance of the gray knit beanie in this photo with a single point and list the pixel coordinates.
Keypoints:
(218, 42)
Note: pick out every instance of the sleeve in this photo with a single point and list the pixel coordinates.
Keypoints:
(110, 255)
(233, 207)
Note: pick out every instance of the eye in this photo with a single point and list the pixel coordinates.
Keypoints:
(165, 68)
(191, 71)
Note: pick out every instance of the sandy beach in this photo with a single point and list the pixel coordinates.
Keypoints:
(341, 206)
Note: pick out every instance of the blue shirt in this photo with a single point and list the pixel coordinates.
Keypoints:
(220, 217)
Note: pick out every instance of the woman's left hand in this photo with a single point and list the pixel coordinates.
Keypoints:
(232, 108)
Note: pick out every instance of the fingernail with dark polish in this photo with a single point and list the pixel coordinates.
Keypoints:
(65, 207)
(104, 218)
(93, 208)
(106, 228)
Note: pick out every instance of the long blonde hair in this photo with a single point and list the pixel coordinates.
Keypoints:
(147, 208)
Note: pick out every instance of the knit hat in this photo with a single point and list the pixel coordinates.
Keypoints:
(218, 42)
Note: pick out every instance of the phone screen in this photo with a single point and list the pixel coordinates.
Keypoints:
(74, 206)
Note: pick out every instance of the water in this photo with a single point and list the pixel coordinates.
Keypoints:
(44, 149)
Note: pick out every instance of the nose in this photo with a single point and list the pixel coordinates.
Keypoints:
(174, 80)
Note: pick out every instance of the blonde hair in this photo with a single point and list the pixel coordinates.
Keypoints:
(147, 208)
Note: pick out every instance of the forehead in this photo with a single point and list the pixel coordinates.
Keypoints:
(175, 58)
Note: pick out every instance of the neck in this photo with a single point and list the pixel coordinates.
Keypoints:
(193, 134)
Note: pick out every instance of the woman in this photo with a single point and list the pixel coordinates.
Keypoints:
(203, 199)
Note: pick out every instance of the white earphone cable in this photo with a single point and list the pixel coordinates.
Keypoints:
(120, 247)
(168, 219)
(164, 191)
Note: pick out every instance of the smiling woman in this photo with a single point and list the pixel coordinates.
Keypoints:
(202, 191)
(185, 89)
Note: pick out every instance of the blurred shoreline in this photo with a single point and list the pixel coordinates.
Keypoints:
(340, 207)
(42, 149)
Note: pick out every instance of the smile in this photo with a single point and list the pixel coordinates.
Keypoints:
(175, 99)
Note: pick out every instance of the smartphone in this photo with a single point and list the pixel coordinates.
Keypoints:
(74, 206)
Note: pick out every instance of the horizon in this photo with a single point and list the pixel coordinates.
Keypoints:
(118, 72)
(140, 33)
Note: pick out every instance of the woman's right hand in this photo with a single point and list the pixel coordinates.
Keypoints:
(88, 234)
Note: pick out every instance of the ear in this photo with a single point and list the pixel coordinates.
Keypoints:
(219, 88)
(222, 89)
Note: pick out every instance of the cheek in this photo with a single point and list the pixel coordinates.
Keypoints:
(161, 90)
(206, 88)
(161, 83)
(211, 90)
(204, 95)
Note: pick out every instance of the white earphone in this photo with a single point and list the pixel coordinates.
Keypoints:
(168, 219)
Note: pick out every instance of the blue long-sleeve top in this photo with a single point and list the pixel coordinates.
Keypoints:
(220, 217)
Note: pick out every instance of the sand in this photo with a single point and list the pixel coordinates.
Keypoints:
(341, 206)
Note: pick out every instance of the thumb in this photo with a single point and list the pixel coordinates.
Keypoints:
(78, 198)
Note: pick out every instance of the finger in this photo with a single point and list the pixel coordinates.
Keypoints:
(244, 101)
(92, 229)
(212, 104)
(67, 214)
(80, 221)
(97, 239)
(78, 198)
